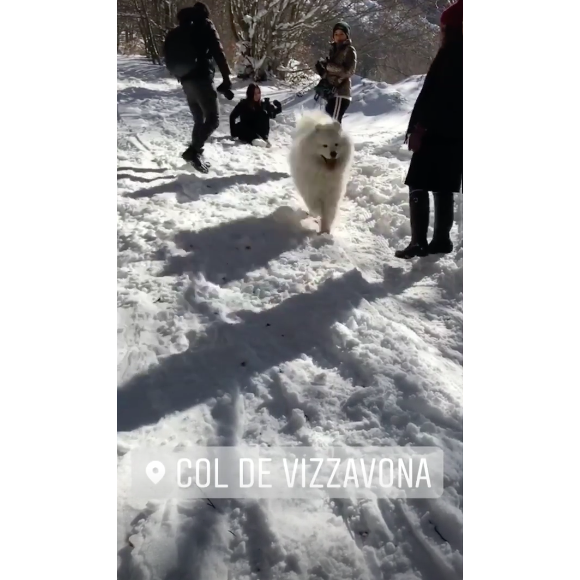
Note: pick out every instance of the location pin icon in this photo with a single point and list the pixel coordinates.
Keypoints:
(155, 471)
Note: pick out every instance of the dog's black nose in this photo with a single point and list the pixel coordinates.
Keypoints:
(333, 154)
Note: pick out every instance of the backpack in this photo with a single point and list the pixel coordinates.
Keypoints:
(181, 55)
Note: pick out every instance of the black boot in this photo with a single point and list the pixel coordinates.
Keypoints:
(419, 209)
(193, 156)
(201, 155)
(441, 243)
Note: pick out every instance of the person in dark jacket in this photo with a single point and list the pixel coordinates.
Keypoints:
(336, 72)
(435, 135)
(254, 116)
(198, 86)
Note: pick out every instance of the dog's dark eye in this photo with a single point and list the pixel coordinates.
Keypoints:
(325, 145)
(336, 144)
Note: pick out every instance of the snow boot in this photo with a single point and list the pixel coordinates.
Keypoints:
(419, 209)
(193, 156)
(204, 161)
(441, 243)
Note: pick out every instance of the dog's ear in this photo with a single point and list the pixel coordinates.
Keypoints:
(337, 126)
(319, 127)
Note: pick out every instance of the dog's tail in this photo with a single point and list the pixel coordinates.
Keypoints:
(309, 120)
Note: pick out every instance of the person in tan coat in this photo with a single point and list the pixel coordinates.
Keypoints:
(336, 72)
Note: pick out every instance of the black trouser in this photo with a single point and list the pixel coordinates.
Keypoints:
(254, 127)
(244, 133)
(337, 107)
(202, 99)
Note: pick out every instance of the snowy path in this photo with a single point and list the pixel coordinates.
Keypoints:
(238, 323)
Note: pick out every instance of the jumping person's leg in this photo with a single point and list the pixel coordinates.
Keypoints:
(208, 101)
(191, 94)
(202, 99)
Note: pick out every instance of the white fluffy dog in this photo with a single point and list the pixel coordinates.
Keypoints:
(320, 161)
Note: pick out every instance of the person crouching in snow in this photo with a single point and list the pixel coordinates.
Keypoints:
(254, 115)
(336, 72)
(435, 136)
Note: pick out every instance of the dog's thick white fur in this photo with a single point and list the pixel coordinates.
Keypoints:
(320, 162)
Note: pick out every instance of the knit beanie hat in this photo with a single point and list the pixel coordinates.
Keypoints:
(453, 16)
(342, 26)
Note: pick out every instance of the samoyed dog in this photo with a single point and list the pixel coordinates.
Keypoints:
(320, 162)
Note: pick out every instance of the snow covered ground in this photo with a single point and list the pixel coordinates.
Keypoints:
(237, 323)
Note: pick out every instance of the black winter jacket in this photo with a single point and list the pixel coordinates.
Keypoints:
(439, 107)
(438, 164)
(208, 45)
(254, 118)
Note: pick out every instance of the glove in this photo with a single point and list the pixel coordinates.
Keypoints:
(225, 90)
(270, 108)
(324, 90)
(416, 138)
